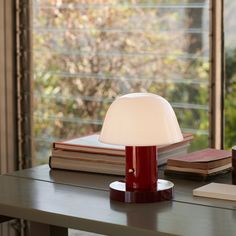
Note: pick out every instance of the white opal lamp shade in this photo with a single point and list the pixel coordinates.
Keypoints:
(140, 119)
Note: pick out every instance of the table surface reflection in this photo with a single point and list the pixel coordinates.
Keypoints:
(81, 201)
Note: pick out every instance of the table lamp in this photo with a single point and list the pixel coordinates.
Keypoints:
(140, 122)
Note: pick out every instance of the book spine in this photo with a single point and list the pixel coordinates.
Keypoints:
(50, 162)
(91, 160)
(86, 167)
(53, 145)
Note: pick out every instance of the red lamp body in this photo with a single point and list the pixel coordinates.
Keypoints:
(141, 184)
(141, 168)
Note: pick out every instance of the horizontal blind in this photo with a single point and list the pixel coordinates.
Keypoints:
(86, 53)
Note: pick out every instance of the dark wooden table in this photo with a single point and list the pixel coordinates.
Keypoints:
(59, 200)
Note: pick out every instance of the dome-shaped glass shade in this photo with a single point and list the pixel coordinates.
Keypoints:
(140, 119)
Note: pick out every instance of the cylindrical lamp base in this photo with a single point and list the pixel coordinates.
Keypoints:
(141, 168)
(119, 193)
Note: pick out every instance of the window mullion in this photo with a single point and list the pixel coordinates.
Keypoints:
(217, 76)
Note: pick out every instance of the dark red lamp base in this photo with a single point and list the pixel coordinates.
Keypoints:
(164, 191)
(141, 178)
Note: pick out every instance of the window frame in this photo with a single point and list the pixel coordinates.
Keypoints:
(16, 94)
(8, 134)
(217, 75)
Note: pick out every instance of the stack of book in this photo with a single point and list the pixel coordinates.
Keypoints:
(88, 154)
(200, 164)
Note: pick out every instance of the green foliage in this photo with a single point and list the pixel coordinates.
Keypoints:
(230, 99)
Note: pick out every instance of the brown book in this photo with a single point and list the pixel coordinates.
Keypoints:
(91, 144)
(84, 165)
(71, 155)
(199, 171)
(196, 176)
(205, 159)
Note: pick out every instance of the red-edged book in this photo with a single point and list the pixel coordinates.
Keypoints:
(203, 162)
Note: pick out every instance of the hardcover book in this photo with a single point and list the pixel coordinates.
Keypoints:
(91, 144)
(199, 171)
(96, 166)
(203, 163)
(204, 159)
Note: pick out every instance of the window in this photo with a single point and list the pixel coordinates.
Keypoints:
(86, 53)
(230, 73)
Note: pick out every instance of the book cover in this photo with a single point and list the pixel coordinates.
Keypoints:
(203, 159)
(91, 144)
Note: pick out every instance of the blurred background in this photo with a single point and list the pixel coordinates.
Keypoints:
(86, 53)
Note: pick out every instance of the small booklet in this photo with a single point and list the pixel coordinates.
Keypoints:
(216, 190)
